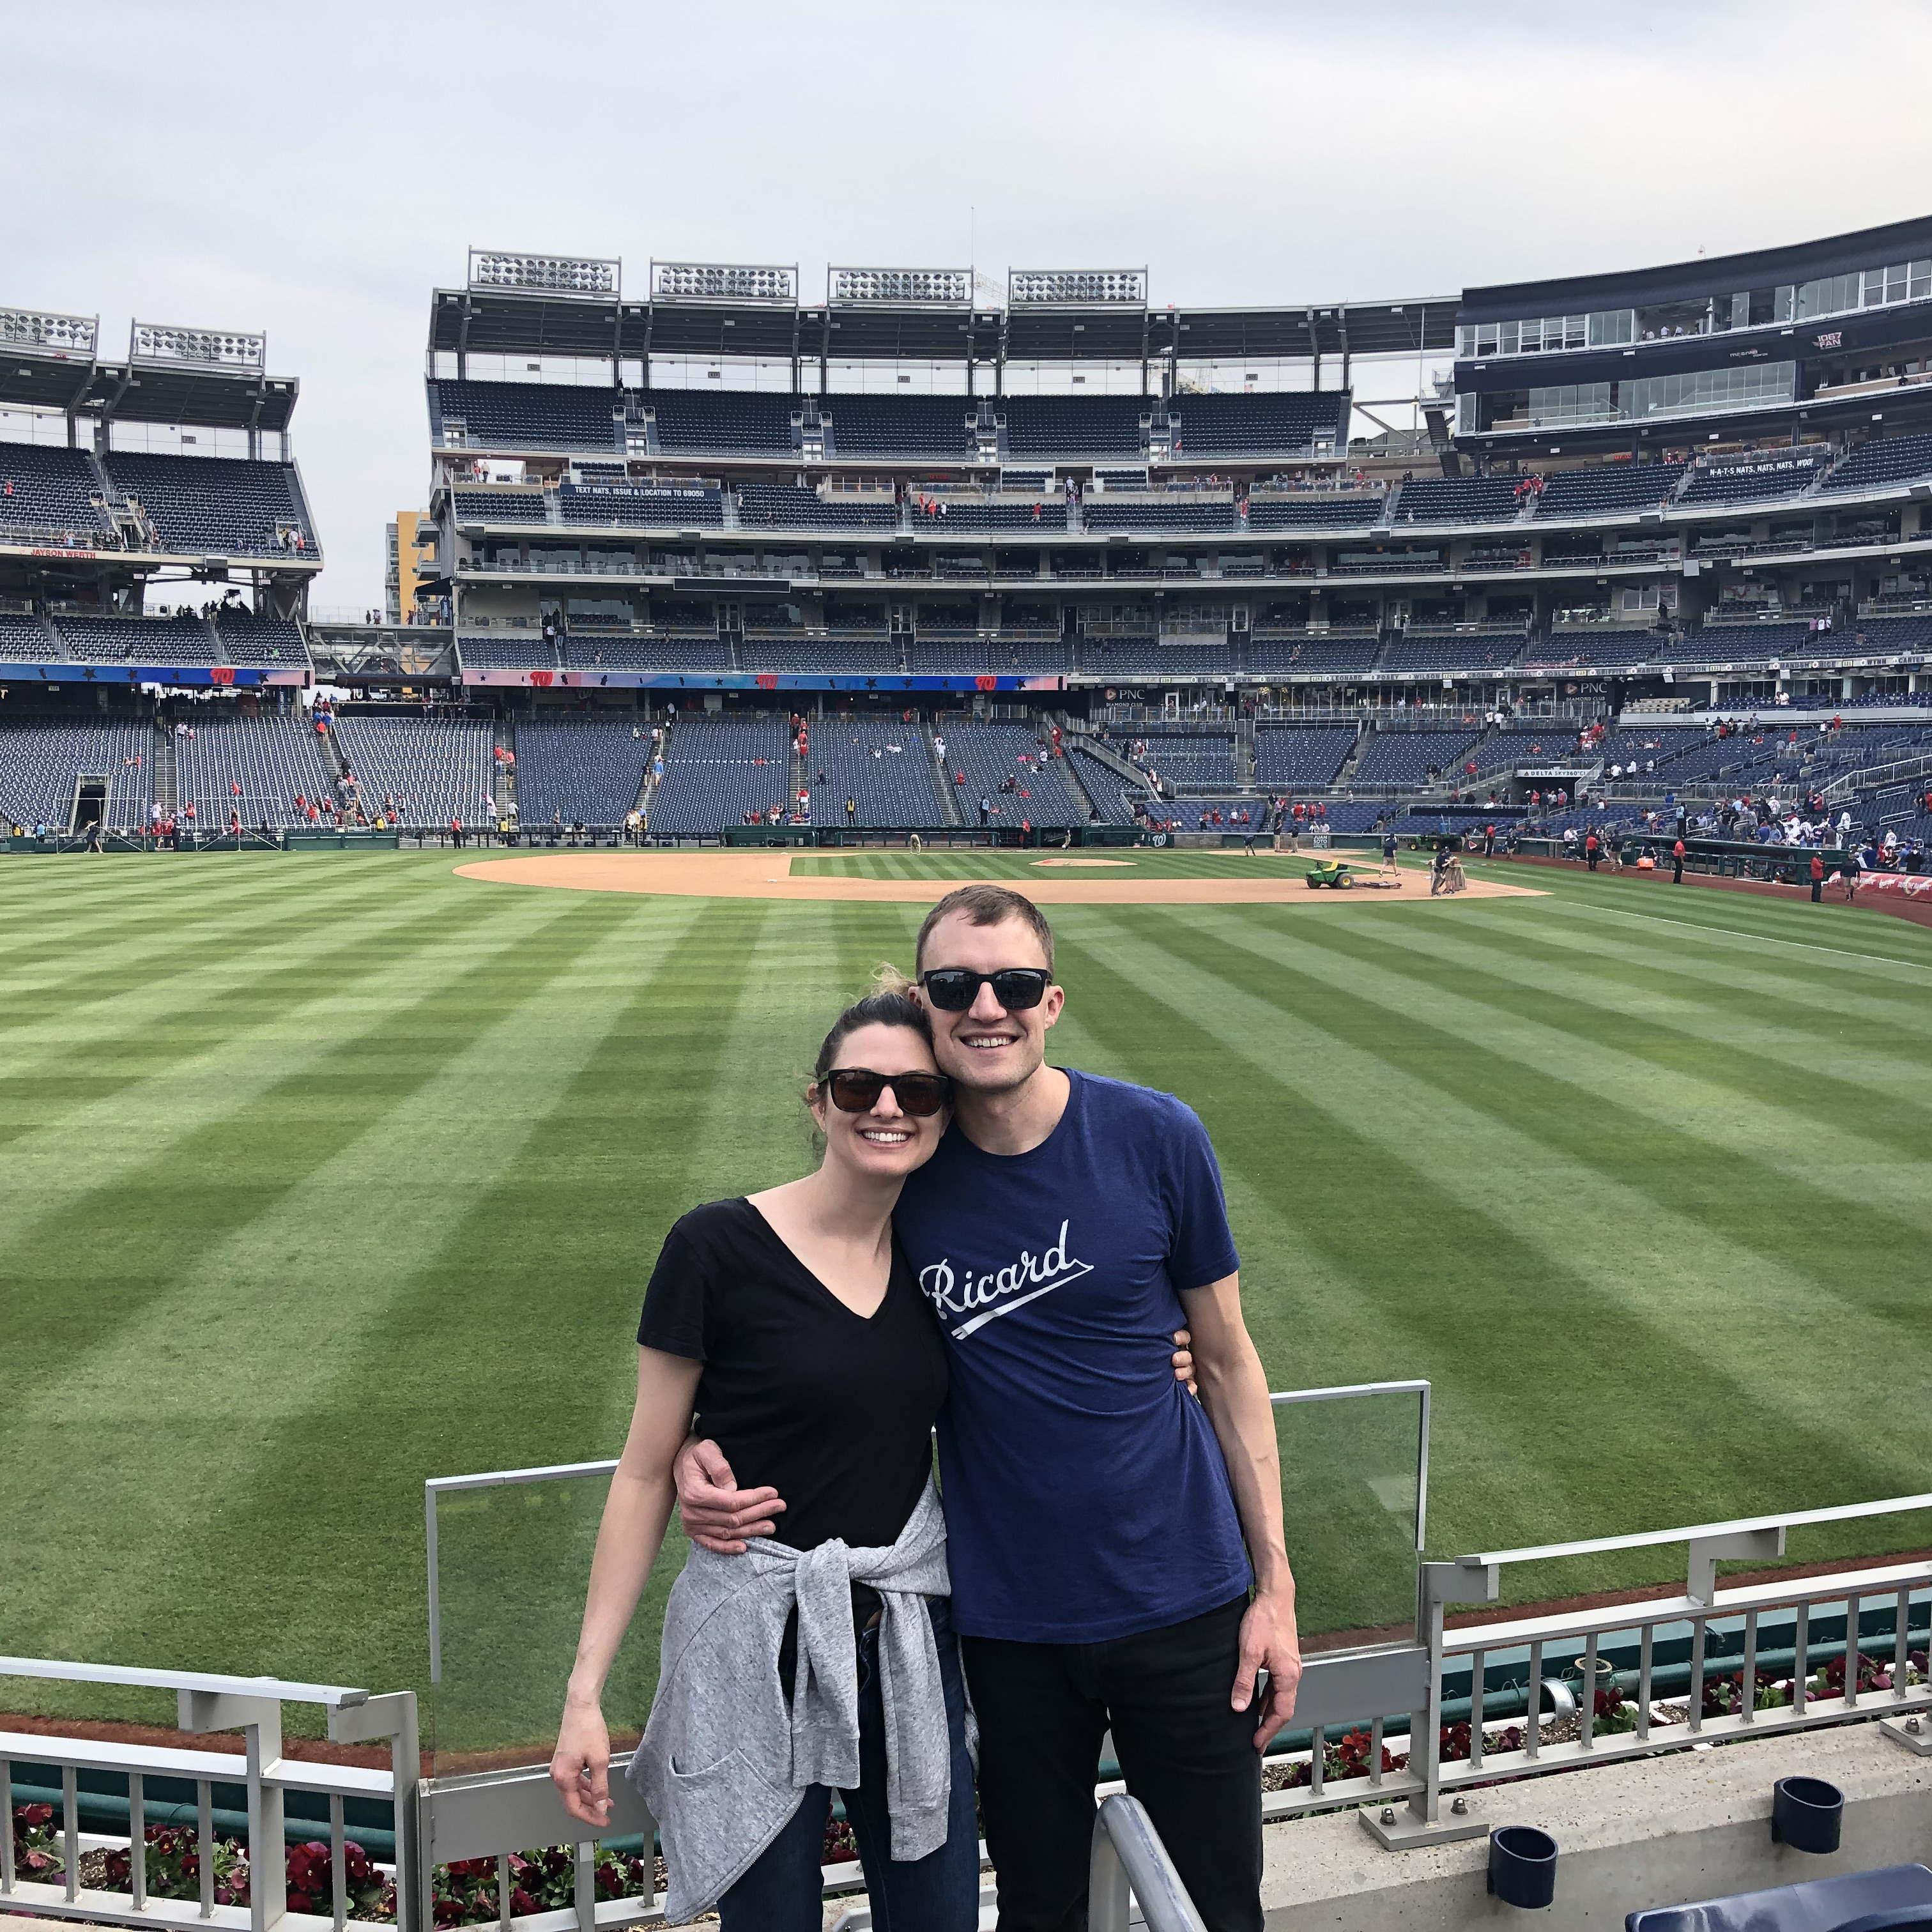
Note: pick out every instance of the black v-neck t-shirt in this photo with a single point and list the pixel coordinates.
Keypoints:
(833, 1409)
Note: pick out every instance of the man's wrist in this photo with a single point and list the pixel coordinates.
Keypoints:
(1273, 1579)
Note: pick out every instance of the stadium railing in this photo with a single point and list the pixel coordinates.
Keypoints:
(1481, 1704)
(206, 1702)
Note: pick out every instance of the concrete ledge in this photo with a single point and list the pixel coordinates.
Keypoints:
(1662, 1830)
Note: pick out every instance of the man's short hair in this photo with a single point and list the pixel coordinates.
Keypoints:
(986, 905)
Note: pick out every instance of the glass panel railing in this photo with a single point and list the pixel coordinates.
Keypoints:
(509, 1564)
(509, 1561)
(1354, 1499)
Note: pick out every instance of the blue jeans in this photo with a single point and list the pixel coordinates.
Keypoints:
(782, 1892)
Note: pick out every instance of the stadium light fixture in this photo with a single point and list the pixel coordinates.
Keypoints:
(238, 350)
(724, 281)
(41, 332)
(1076, 288)
(903, 288)
(512, 269)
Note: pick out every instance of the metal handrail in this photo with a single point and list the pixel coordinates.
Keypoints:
(1128, 1860)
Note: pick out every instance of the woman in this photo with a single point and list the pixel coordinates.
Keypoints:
(790, 1321)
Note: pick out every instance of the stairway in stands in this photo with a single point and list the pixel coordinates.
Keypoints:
(647, 783)
(1244, 754)
(942, 780)
(801, 777)
(167, 776)
(506, 793)
(1082, 804)
(1345, 776)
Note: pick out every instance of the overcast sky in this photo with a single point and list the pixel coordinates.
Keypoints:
(316, 171)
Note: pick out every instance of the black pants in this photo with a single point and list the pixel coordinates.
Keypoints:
(1677, 871)
(1186, 1754)
(1817, 891)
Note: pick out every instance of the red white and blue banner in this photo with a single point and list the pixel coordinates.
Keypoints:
(239, 677)
(664, 680)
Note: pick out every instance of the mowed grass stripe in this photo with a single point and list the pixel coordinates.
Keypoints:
(1638, 1282)
(1467, 1071)
(79, 1067)
(219, 980)
(318, 1261)
(1865, 1081)
(79, 984)
(1572, 1088)
(1747, 925)
(1850, 1142)
(50, 921)
(1801, 990)
(107, 1189)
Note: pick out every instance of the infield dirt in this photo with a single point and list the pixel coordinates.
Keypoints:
(760, 875)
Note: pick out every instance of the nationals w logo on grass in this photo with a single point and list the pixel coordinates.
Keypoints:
(999, 1291)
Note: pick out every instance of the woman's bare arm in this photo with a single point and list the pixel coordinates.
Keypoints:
(629, 1539)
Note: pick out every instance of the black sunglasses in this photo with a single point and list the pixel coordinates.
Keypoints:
(953, 988)
(856, 1090)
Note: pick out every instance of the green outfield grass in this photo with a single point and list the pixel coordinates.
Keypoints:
(324, 1174)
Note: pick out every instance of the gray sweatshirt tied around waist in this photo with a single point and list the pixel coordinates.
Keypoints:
(724, 1763)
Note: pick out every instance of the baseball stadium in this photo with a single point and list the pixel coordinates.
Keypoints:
(1508, 835)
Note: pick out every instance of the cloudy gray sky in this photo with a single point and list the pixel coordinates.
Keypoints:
(316, 171)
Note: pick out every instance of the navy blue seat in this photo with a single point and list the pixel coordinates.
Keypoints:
(526, 416)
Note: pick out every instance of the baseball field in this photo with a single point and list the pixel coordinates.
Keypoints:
(327, 1173)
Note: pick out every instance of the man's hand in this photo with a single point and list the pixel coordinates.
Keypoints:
(1184, 1361)
(1269, 1642)
(718, 1515)
(580, 1767)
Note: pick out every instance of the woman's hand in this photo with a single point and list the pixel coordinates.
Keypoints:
(581, 1766)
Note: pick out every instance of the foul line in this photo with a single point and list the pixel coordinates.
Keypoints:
(1739, 932)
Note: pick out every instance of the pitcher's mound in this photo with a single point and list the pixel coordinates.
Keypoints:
(748, 875)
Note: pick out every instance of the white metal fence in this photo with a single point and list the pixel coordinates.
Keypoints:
(1400, 1726)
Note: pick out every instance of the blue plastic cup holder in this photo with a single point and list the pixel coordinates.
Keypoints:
(1522, 1866)
(1807, 1814)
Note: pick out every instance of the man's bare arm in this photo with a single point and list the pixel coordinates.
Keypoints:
(719, 1516)
(1234, 1393)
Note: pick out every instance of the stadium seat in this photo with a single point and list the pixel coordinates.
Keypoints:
(50, 495)
(275, 761)
(526, 415)
(218, 506)
(717, 769)
(583, 770)
(41, 763)
(435, 769)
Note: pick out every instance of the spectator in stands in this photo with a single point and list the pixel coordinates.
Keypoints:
(851, 810)
(1169, 1490)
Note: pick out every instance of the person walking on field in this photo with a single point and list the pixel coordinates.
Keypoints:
(1677, 863)
(1817, 878)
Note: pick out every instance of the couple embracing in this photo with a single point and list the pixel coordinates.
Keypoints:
(1004, 1250)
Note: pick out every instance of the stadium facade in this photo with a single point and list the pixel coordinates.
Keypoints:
(1695, 488)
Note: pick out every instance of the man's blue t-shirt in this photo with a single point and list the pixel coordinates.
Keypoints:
(1086, 1496)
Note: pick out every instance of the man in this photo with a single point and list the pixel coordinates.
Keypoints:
(1817, 877)
(1677, 863)
(1096, 1516)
